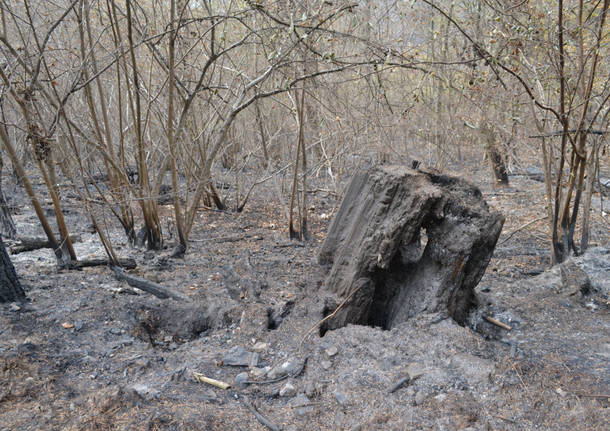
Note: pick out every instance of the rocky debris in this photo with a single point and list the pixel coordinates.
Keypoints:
(240, 357)
(310, 389)
(260, 347)
(302, 405)
(332, 351)
(476, 371)
(258, 372)
(144, 391)
(420, 397)
(286, 368)
(242, 380)
(341, 398)
(288, 390)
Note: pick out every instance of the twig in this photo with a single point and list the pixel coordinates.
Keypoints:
(399, 383)
(601, 396)
(498, 323)
(234, 238)
(203, 379)
(505, 419)
(521, 228)
(148, 286)
(262, 419)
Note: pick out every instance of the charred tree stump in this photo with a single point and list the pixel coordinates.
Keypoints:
(406, 242)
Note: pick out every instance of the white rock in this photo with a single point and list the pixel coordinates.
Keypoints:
(288, 390)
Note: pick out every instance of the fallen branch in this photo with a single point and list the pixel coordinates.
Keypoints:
(520, 229)
(262, 419)
(406, 380)
(600, 396)
(234, 238)
(87, 263)
(400, 383)
(25, 244)
(147, 286)
(498, 323)
(505, 419)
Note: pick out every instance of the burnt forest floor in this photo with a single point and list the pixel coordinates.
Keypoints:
(91, 353)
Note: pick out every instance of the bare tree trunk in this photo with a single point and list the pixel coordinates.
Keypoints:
(7, 226)
(496, 158)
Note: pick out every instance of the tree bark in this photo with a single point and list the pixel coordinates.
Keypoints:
(406, 242)
(496, 158)
(10, 288)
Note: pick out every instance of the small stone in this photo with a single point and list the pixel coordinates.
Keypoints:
(240, 357)
(242, 380)
(260, 347)
(14, 307)
(259, 372)
(326, 364)
(476, 370)
(415, 371)
(288, 390)
(440, 397)
(286, 368)
(310, 389)
(341, 398)
(172, 346)
(302, 404)
(420, 397)
(116, 331)
(332, 351)
(29, 384)
(78, 325)
(144, 391)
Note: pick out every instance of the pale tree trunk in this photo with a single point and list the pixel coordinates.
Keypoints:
(7, 226)
(496, 158)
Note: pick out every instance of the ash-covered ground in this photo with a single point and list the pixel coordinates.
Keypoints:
(91, 353)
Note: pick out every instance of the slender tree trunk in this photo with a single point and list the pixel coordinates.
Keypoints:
(496, 158)
(7, 226)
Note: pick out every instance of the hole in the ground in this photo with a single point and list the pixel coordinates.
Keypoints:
(328, 308)
(162, 326)
(277, 315)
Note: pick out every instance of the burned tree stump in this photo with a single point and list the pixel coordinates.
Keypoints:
(406, 242)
